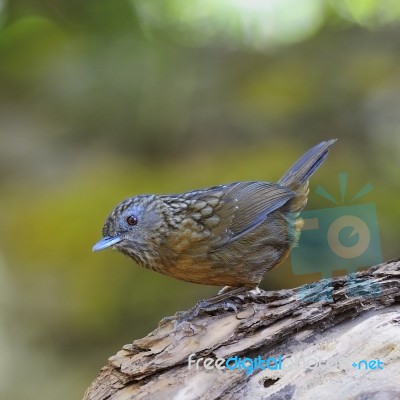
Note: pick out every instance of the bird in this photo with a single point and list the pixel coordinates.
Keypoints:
(228, 235)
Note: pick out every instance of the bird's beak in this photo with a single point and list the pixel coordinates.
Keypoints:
(106, 242)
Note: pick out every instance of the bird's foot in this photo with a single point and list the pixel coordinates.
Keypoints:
(207, 306)
(254, 292)
(231, 291)
(224, 300)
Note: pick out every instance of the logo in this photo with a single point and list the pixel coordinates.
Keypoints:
(337, 238)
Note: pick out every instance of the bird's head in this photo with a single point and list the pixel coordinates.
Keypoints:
(136, 227)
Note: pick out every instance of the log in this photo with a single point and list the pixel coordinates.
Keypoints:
(336, 338)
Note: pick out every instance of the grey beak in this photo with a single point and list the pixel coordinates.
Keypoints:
(106, 242)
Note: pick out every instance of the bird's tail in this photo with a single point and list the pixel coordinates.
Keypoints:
(297, 176)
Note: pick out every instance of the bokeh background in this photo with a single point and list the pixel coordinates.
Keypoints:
(101, 100)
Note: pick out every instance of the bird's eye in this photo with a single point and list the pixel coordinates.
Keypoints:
(131, 220)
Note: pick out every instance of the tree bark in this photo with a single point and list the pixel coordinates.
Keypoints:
(332, 339)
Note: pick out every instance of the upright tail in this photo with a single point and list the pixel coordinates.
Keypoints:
(297, 176)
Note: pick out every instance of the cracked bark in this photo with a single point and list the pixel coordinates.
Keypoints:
(320, 330)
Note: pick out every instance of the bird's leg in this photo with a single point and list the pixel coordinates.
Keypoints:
(206, 304)
(226, 293)
(254, 292)
(232, 291)
(226, 289)
(219, 298)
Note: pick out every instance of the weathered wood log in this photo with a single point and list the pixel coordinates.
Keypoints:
(333, 339)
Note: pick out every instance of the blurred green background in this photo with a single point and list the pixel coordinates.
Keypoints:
(101, 100)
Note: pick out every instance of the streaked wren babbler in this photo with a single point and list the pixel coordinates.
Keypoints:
(226, 235)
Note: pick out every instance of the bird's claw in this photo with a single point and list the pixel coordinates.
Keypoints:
(224, 301)
(228, 305)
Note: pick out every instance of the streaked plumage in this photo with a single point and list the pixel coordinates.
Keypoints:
(227, 235)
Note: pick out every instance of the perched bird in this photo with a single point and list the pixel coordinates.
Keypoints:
(226, 235)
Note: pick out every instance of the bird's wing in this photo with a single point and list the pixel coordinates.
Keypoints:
(237, 208)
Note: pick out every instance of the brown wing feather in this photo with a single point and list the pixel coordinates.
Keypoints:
(255, 200)
(236, 208)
